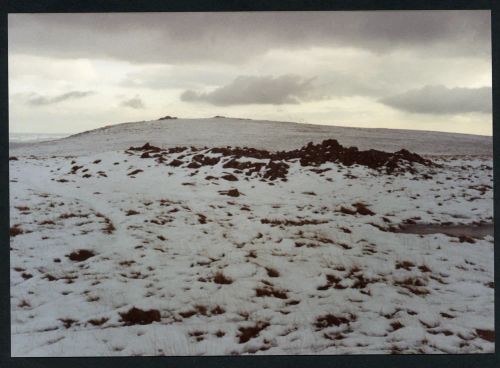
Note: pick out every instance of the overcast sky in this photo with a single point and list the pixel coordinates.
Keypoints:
(428, 70)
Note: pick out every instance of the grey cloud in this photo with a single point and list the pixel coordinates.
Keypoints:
(442, 100)
(236, 37)
(329, 83)
(44, 100)
(285, 89)
(134, 103)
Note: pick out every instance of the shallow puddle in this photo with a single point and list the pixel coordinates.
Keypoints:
(473, 231)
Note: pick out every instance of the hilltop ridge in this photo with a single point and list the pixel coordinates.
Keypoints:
(260, 134)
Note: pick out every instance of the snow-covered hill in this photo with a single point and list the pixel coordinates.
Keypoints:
(270, 135)
(120, 250)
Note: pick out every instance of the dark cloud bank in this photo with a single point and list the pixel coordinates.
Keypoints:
(134, 103)
(285, 89)
(44, 100)
(442, 100)
(236, 37)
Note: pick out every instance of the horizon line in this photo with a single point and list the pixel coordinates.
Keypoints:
(238, 118)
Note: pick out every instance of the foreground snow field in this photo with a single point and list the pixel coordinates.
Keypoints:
(119, 252)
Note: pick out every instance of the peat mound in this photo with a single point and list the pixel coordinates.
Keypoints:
(148, 148)
(276, 167)
(329, 150)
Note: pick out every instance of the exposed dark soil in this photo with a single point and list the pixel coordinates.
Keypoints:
(416, 285)
(407, 265)
(136, 316)
(271, 291)
(347, 211)
(131, 213)
(26, 275)
(202, 219)
(203, 311)
(363, 210)
(146, 147)
(271, 272)
(68, 322)
(134, 172)
(109, 228)
(247, 333)
(464, 232)
(396, 325)
(229, 177)
(331, 320)
(220, 278)
(488, 335)
(218, 310)
(15, 231)
(81, 255)
(231, 192)
(292, 222)
(176, 163)
(97, 322)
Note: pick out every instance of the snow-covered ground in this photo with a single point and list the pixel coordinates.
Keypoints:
(281, 267)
